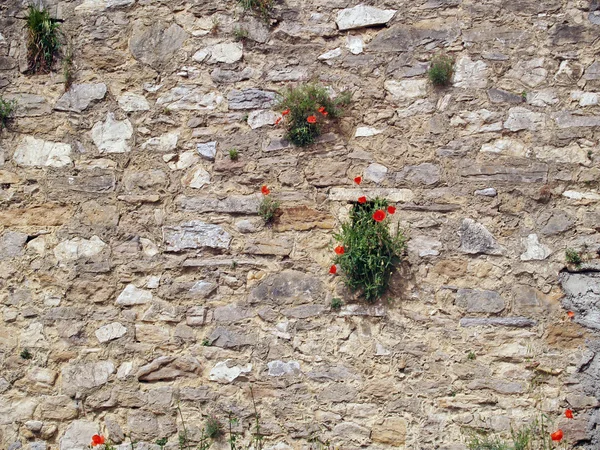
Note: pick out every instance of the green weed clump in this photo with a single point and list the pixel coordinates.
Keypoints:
(268, 209)
(233, 154)
(42, 39)
(370, 250)
(7, 109)
(535, 436)
(440, 70)
(306, 109)
(261, 8)
(572, 256)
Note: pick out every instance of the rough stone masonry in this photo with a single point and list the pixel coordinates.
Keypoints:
(136, 272)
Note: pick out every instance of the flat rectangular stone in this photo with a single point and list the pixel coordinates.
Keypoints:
(269, 246)
(519, 322)
(47, 215)
(236, 204)
(565, 119)
(533, 173)
(96, 182)
(229, 262)
(352, 195)
(434, 207)
(195, 234)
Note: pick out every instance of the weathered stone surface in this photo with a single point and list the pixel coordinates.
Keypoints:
(480, 121)
(426, 173)
(132, 102)
(424, 246)
(28, 105)
(545, 97)
(520, 118)
(230, 338)
(351, 432)
(78, 248)
(531, 73)
(304, 311)
(226, 52)
(534, 249)
(260, 118)
(59, 407)
(207, 150)
(302, 218)
(156, 44)
(506, 147)
(406, 38)
(582, 296)
(236, 204)
(363, 16)
(351, 195)
(516, 322)
(250, 99)
(112, 136)
(474, 301)
(559, 222)
(565, 119)
(354, 44)
(78, 435)
(502, 96)
(219, 75)
(196, 178)
(110, 332)
(288, 288)
(475, 238)
(280, 368)
(500, 386)
(405, 90)
(189, 98)
(367, 132)
(37, 152)
(392, 431)
(533, 173)
(331, 54)
(164, 143)
(80, 96)
(269, 246)
(82, 378)
(11, 244)
(227, 371)
(575, 195)
(573, 154)
(195, 234)
(132, 295)
(470, 74)
(165, 368)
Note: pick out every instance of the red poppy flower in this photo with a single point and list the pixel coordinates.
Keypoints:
(285, 113)
(277, 121)
(339, 250)
(557, 435)
(569, 414)
(321, 109)
(379, 215)
(333, 270)
(311, 119)
(324, 113)
(362, 199)
(358, 180)
(571, 314)
(265, 190)
(391, 209)
(97, 440)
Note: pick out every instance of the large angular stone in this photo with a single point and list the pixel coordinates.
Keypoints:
(534, 249)
(520, 118)
(226, 371)
(288, 288)
(164, 143)
(235, 204)
(196, 178)
(404, 90)
(582, 296)
(156, 44)
(132, 102)
(303, 218)
(226, 52)
(565, 119)
(480, 121)
(475, 238)
(474, 301)
(559, 222)
(78, 435)
(37, 152)
(392, 431)
(82, 378)
(502, 96)
(304, 311)
(133, 295)
(29, 105)
(110, 332)
(426, 173)
(76, 248)
(195, 234)
(531, 73)
(592, 72)
(470, 74)
(280, 368)
(261, 118)
(500, 386)
(352, 195)
(189, 98)
(424, 246)
(506, 147)
(80, 96)
(363, 16)
(532, 173)
(165, 368)
(406, 38)
(250, 99)
(112, 136)
(269, 246)
(12, 244)
(231, 338)
(95, 181)
(231, 76)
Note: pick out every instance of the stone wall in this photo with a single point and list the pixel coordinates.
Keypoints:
(135, 270)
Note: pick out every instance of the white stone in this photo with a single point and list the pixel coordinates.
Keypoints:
(37, 152)
(163, 143)
(33, 336)
(350, 195)
(112, 136)
(78, 435)
(80, 96)
(189, 98)
(375, 172)
(149, 248)
(260, 118)
(367, 131)
(89, 6)
(380, 350)
(111, 331)
(545, 97)
(421, 106)
(227, 52)
(124, 370)
(16, 410)
(181, 161)
(76, 248)
(480, 121)
(226, 372)
(585, 98)
(331, 54)
(574, 195)
(520, 118)
(196, 178)
(406, 89)
(424, 246)
(487, 192)
(354, 44)
(534, 249)
(153, 282)
(280, 368)
(572, 154)
(208, 150)
(506, 147)
(531, 73)
(470, 74)
(131, 102)
(132, 295)
(363, 16)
